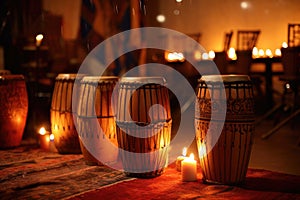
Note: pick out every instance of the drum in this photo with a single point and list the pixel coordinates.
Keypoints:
(143, 131)
(61, 116)
(226, 161)
(14, 109)
(96, 120)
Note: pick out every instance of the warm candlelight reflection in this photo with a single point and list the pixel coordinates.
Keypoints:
(261, 53)
(211, 54)
(255, 52)
(231, 54)
(180, 159)
(284, 45)
(39, 39)
(174, 57)
(197, 55)
(277, 52)
(205, 56)
(269, 53)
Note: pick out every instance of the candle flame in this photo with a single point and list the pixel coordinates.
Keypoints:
(51, 137)
(261, 52)
(278, 52)
(269, 53)
(191, 156)
(184, 151)
(284, 45)
(42, 131)
(231, 54)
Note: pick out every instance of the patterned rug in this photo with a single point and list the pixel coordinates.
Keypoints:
(260, 184)
(28, 172)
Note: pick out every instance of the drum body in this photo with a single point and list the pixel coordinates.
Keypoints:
(96, 120)
(14, 109)
(143, 132)
(61, 115)
(226, 161)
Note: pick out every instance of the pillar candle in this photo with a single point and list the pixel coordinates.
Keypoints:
(180, 159)
(189, 169)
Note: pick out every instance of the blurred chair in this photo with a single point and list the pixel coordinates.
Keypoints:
(291, 82)
(291, 79)
(221, 58)
(247, 39)
(293, 35)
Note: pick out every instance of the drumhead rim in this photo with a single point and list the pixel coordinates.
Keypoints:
(69, 76)
(145, 79)
(12, 77)
(87, 79)
(225, 78)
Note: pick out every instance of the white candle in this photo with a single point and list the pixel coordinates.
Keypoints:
(189, 169)
(44, 138)
(52, 147)
(39, 39)
(180, 159)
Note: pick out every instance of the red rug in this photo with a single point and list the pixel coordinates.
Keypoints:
(260, 184)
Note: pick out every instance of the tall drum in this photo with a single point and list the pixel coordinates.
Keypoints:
(14, 109)
(61, 115)
(143, 131)
(225, 161)
(96, 120)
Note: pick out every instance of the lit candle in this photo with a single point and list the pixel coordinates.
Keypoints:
(180, 159)
(277, 52)
(231, 53)
(39, 39)
(52, 147)
(44, 138)
(269, 53)
(284, 45)
(261, 52)
(189, 169)
(211, 54)
(255, 52)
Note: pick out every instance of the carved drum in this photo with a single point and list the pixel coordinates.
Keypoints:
(14, 108)
(226, 160)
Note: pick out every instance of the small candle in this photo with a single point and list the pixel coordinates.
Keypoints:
(52, 147)
(44, 139)
(189, 169)
(39, 39)
(180, 159)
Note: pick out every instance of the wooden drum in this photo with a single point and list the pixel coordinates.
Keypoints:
(95, 111)
(226, 161)
(61, 115)
(143, 143)
(14, 109)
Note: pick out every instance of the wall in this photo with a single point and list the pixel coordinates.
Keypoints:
(70, 11)
(215, 17)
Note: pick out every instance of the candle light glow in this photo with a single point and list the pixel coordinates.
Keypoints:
(39, 39)
(189, 169)
(180, 159)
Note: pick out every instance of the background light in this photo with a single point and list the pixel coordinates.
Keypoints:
(160, 18)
